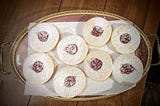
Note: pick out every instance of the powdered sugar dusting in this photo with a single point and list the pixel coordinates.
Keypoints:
(75, 29)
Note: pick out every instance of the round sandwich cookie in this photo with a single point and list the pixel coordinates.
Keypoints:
(98, 65)
(72, 49)
(97, 31)
(43, 37)
(38, 68)
(69, 82)
(127, 69)
(125, 39)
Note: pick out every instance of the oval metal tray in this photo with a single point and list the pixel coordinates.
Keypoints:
(19, 46)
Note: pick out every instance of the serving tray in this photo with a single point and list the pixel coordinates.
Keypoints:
(19, 47)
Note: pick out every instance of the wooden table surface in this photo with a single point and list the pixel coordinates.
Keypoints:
(15, 15)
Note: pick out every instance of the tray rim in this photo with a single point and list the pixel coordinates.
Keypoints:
(22, 34)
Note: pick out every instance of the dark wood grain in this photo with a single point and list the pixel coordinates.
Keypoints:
(134, 10)
(17, 15)
(44, 101)
(82, 4)
(153, 18)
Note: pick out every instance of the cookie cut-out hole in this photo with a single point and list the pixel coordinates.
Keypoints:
(127, 68)
(97, 31)
(71, 49)
(42, 36)
(96, 64)
(125, 38)
(70, 81)
(37, 66)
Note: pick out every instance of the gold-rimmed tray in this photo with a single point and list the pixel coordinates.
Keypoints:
(19, 46)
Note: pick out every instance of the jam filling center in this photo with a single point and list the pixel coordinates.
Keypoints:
(125, 38)
(97, 31)
(127, 68)
(71, 49)
(70, 81)
(37, 66)
(96, 64)
(42, 36)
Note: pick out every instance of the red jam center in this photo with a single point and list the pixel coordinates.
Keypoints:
(125, 38)
(70, 81)
(127, 68)
(71, 49)
(37, 66)
(96, 64)
(42, 36)
(97, 31)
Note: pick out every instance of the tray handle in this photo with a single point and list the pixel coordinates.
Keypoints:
(1, 58)
(158, 48)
